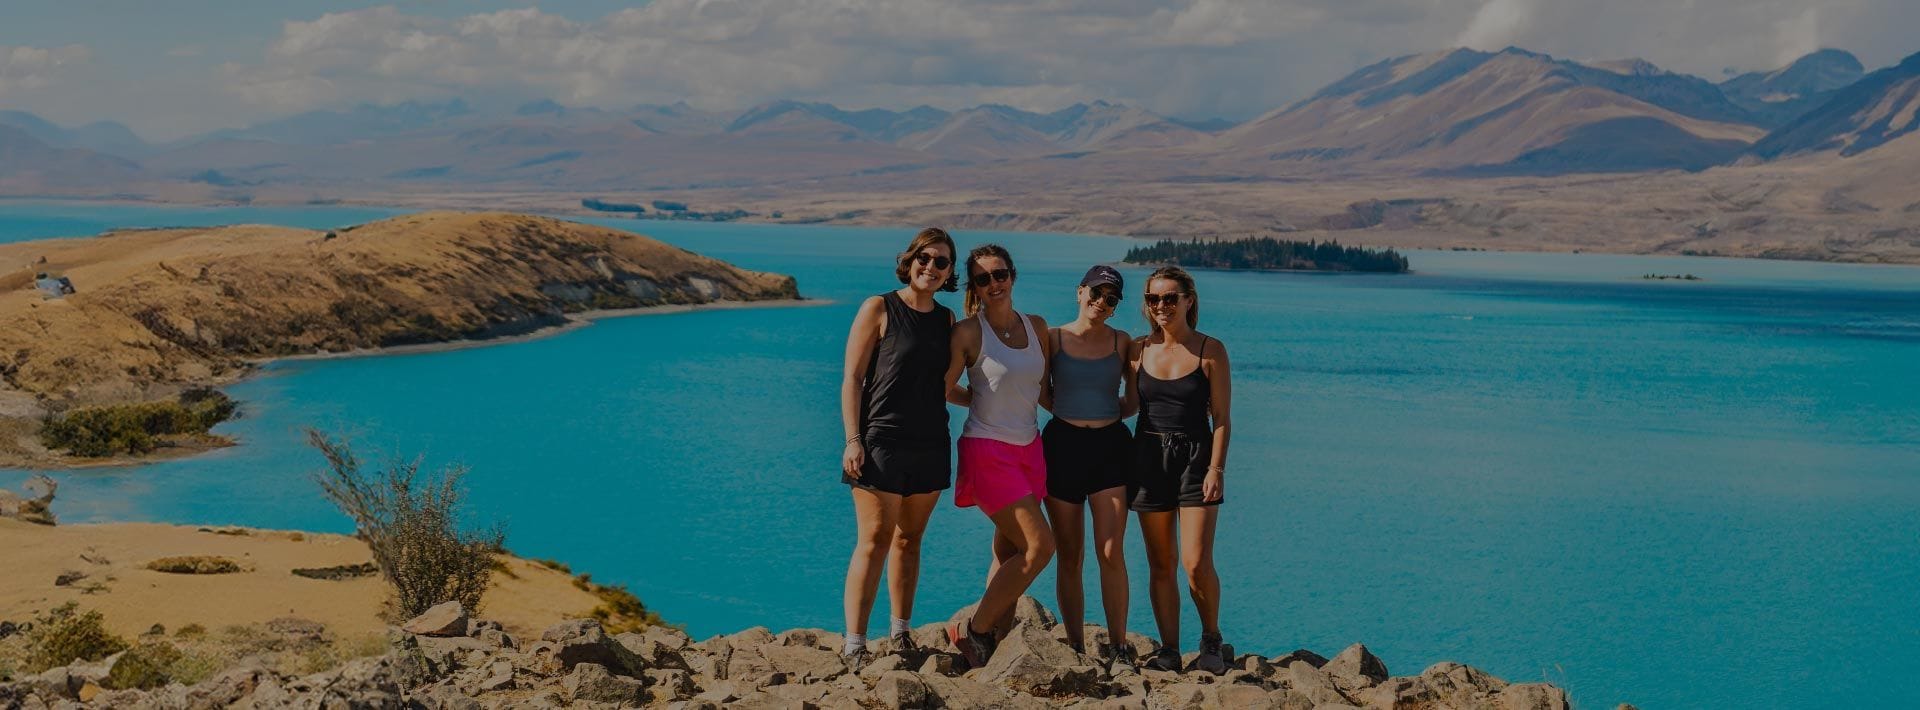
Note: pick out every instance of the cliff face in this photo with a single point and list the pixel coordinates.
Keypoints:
(168, 308)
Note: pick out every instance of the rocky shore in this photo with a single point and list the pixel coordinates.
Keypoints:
(444, 659)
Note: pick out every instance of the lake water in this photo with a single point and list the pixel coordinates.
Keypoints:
(1678, 494)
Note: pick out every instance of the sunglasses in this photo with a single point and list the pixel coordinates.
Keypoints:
(1154, 299)
(980, 280)
(939, 262)
(1107, 296)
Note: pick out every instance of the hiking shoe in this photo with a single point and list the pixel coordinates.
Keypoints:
(1210, 660)
(856, 660)
(903, 642)
(975, 648)
(1165, 658)
(1121, 659)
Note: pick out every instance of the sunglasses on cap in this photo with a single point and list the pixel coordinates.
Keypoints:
(986, 277)
(939, 262)
(1154, 299)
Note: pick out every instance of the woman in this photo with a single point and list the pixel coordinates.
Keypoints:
(1088, 451)
(1181, 461)
(1002, 469)
(893, 408)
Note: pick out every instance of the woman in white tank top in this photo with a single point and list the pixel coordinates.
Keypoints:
(1002, 468)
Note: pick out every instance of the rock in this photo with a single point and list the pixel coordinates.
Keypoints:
(445, 655)
(34, 509)
(592, 682)
(879, 666)
(963, 692)
(1031, 660)
(1242, 696)
(1462, 685)
(1356, 668)
(655, 650)
(570, 643)
(1399, 693)
(900, 689)
(1315, 685)
(1310, 658)
(751, 638)
(748, 666)
(667, 636)
(804, 663)
(1284, 699)
(497, 638)
(444, 619)
(671, 684)
(1183, 695)
(1532, 696)
(723, 692)
(938, 664)
(813, 638)
(295, 631)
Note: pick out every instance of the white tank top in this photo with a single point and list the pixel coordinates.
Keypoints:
(1006, 387)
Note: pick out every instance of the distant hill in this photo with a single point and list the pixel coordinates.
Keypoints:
(1512, 111)
(1873, 111)
(101, 136)
(1777, 97)
(28, 164)
(362, 122)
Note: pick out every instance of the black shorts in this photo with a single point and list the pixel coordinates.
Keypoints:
(1083, 461)
(905, 469)
(1169, 471)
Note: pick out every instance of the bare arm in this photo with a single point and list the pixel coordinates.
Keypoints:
(862, 338)
(1130, 387)
(966, 340)
(1219, 375)
(1046, 383)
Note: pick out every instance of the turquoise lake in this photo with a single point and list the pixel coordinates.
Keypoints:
(1675, 494)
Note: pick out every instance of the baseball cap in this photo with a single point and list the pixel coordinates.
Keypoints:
(1102, 275)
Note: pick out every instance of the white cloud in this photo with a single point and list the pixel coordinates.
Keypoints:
(26, 68)
(1496, 25)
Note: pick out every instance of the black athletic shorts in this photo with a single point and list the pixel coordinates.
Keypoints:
(905, 469)
(1082, 461)
(1169, 470)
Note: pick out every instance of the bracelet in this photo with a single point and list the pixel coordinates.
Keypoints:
(1222, 470)
(854, 438)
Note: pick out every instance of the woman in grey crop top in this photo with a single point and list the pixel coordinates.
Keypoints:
(1087, 449)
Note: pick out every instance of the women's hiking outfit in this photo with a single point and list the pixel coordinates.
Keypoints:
(1086, 460)
(903, 403)
(1174, 445)
(1000, 449)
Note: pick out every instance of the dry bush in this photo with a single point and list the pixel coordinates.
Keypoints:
(194, 564)
(67, 634)
(409, 522)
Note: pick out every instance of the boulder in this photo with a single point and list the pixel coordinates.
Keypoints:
(1355, 669)
(813, 638)
(751, 638)
(591, 682)
(1183, 695)
(1315, 685)
(1400, 693)
(1310, 658)
(1532, 696)
(570, 643)
(1031, 660)
(444, 619)
(1242, 696)
(963, 692)
(654, 650)
(748, 666)
(879, 666)
(938, 664)
(446, 654)
(900, 689)
(804, 664)
(671, 684)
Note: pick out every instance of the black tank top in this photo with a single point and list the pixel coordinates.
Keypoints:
(905, 393)
(1180, 405)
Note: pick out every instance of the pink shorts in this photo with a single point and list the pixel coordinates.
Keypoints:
(994, 474)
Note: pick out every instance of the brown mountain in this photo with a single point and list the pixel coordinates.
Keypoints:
(1782, 95)
(1872, 112)
(1506, 112)
(28, 165)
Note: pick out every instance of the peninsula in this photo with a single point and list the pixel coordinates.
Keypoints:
(1268, 254)
(124, 363)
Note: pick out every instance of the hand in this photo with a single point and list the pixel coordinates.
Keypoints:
(853, 459)
(1214, 487)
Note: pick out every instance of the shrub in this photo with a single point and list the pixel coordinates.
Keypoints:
(135, 428)
(195, 564)
(148, 665)
(408, 521)
(67, 634)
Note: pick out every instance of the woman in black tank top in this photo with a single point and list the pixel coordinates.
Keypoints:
(893, 409)
(1180, 460)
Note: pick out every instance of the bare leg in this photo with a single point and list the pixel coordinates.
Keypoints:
(1109, 544)
(904, 561)
(1196, 553)
(1023, 526)
(1004, 549)
(875, 516)
(1069, 534)
(1159, 533)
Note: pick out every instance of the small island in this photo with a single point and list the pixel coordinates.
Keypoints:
(1269, 254)
(1671, 277)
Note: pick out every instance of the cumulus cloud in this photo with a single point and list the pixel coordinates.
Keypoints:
(1183, 57)
(26, 68)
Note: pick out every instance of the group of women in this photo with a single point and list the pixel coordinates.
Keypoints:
(904, 360)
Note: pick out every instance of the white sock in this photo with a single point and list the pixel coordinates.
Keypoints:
(855, 643)
(900, 627)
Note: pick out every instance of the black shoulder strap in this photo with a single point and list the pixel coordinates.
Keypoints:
(1116, 342)
(1203, 346)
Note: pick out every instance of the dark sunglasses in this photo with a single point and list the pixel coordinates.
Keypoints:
(939, 262)
(1154, 299)
(1107, 296)
(986, 277)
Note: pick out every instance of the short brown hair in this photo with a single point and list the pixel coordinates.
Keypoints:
(926, 238)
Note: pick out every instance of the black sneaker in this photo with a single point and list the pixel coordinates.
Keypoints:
(1121, 659)
(1210, 659)
(1165, 658)
(975, 648)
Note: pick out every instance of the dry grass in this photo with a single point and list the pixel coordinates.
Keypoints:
(194, 564)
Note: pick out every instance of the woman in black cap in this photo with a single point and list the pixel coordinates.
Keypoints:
(1087, 448)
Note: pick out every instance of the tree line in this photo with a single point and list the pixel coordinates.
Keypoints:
(1268, 253)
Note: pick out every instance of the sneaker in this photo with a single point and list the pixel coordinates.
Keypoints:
(856, 660)
(1165, 658)
(903, 642)
(1121, 659)
(975, 648)
(1210, 659)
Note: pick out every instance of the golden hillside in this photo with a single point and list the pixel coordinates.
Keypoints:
(159, 310)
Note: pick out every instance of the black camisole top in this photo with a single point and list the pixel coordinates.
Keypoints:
(904, 397)
(1178, 406)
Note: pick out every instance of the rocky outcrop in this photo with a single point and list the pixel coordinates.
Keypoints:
(34, 509)
(575, 664)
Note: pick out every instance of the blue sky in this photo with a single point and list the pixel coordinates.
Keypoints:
(178, 67)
